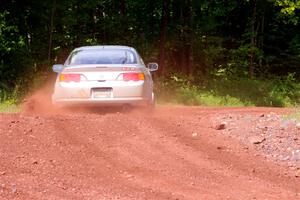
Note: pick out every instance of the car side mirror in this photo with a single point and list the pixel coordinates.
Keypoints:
(57, 68)
(152, 67)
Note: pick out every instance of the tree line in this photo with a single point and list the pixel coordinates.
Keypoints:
(197, 38)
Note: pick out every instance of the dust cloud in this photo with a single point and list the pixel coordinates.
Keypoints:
(39, 102)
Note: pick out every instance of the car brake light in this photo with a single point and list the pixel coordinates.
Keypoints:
(70, 78)
(133, 77)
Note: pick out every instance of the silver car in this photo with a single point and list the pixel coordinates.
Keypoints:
(104, 75)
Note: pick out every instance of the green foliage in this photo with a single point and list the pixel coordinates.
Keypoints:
(216, 38)
(288, 10)
(279, 92)
(11, 55)
(9, 106)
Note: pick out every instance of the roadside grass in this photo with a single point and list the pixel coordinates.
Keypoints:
(11, 98)
(9, 106)
(274, 92)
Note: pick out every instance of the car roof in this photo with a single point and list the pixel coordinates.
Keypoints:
(104, 47)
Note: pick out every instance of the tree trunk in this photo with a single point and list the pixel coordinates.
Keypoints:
(122, 7)
(261, 42)
(51, 30)
(189, 21)
(186, 19)
(151, 22)
(253, 40)
(162, 37)
(123, 21)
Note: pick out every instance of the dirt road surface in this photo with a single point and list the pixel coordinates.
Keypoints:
(173, 153)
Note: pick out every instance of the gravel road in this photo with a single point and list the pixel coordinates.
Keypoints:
(175, 152)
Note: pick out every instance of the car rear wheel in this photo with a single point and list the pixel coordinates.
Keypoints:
(151, 103)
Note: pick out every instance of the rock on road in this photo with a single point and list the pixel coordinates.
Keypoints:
(173, 153)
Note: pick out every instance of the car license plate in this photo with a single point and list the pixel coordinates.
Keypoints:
(102, 93)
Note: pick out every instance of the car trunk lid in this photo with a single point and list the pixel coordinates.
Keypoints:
(101, 72)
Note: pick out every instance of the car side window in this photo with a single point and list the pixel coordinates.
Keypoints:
(140, 58)
(142, 61)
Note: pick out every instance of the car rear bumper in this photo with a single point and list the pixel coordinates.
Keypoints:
(106, 101)
(83, 93)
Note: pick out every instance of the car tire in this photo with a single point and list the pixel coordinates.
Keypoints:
(151, 103)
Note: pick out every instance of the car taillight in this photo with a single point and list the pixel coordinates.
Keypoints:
(133, 77)
(70, 78)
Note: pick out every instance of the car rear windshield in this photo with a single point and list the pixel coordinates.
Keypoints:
(102, 56)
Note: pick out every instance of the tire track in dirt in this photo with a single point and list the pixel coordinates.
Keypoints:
(234, 163)
(109, 150)
(171, 154)
(162, 175)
